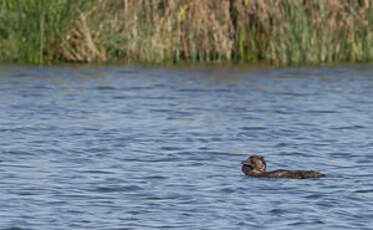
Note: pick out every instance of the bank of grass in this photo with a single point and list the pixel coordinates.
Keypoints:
(286, 32)
(31, 31)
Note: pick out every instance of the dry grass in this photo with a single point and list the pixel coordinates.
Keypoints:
(152, 31)
(282, 32)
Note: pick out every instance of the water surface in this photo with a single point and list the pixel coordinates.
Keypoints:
(160, 148)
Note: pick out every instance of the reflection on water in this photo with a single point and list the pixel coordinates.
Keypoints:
(153, 148)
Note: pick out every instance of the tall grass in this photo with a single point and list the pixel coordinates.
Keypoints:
(152, 31)
(31, 30)
(286, 32)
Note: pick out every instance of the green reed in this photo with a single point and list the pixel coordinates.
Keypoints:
(31, 31)
(287, 32)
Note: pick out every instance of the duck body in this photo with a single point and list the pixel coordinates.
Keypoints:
(255, 166)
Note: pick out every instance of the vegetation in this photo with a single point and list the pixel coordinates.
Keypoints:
(286, 32)
(31, 30)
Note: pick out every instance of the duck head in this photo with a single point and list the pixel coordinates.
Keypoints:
(255, 162)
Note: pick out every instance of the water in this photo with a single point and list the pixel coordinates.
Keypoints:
(159, 148)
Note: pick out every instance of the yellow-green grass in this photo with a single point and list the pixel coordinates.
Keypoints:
(282, 32)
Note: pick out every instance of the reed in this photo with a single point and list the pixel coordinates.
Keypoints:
(286, 32)
(152, 31)
(31, 30)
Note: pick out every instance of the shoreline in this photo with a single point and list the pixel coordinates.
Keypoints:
(169, 32)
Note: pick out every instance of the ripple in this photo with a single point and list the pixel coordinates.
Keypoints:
(171, 148)
(113, 188)
(104, 88)
(277, 211)
(151, 147)
(314, 196)
(155, 177)
(321, 111)
(364, 191)
(349, 127)
(97, 172)
(281, 145)
(16, 228)
(253, 128)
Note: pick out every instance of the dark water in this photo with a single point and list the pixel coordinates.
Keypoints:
(158, 148)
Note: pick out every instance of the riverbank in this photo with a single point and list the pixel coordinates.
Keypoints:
(286, 32)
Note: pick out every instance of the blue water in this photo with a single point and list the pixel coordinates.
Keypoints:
(160, 148)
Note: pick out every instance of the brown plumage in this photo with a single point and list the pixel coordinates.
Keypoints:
(255, 166)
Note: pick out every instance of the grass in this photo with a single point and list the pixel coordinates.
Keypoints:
(31, 30)
(286, 32)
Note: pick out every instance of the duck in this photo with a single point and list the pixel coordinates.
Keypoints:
(255, 166)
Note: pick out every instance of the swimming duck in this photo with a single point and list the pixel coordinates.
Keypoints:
(255, 166)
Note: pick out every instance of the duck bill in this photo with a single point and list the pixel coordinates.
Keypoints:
(246, 162)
